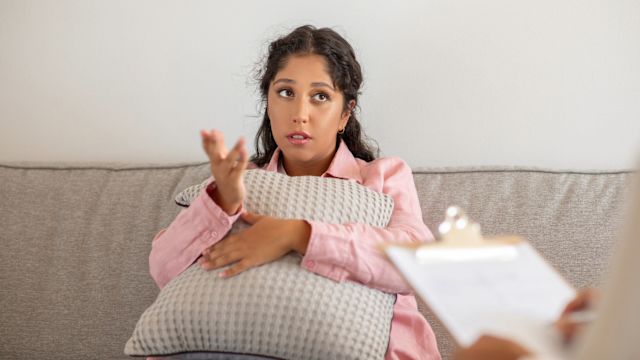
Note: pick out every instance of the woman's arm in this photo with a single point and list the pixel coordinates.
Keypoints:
(352, 251)
(209, 217)
(195, 228)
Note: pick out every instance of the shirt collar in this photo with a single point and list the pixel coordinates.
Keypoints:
(344, 165)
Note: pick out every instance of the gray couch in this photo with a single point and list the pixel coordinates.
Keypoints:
(75, 240)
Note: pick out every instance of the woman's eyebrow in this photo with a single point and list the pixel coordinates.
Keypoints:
(320, 84)
(288, 81)
(314, 84)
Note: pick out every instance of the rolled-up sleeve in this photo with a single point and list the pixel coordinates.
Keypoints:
(195, 228)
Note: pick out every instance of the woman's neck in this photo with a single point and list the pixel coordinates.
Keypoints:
(316, 168)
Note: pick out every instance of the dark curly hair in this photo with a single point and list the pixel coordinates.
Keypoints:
(344, 70)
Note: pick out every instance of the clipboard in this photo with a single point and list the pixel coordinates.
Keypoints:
(474, 285)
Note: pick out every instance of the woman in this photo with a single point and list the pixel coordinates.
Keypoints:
(310, 86)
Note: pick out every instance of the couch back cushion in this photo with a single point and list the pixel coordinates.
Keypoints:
(74, 271)
(74, 263)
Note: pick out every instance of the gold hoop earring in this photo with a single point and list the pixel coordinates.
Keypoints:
(341, 131)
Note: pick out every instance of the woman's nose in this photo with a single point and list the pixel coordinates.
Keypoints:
(300, 113)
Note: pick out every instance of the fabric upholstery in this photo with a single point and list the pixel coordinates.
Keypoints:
(76, 239)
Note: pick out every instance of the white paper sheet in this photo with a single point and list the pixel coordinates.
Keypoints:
(518, 298)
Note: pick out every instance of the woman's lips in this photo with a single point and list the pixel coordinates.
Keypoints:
(298, 138)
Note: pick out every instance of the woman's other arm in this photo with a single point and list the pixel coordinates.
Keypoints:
(352, 251)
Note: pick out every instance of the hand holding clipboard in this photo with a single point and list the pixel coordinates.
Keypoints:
(497, 286)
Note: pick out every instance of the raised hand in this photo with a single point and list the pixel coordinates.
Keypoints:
(227, 168)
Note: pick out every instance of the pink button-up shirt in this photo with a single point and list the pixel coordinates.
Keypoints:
(338, 251)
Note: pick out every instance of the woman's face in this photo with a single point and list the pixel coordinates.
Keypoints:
(306, 112)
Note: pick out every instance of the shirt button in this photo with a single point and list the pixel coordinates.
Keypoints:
(310, 264)
(214, 233)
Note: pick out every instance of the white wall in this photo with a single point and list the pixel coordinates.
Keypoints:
(448, 83)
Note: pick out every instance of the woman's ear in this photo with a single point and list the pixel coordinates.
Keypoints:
(347, 114)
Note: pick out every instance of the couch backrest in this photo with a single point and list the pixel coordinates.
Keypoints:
(73, 268)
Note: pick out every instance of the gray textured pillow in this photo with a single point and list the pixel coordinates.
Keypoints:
(186, 196)
(279, 309)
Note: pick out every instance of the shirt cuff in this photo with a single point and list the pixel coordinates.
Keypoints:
(216, 222)
(209, 189)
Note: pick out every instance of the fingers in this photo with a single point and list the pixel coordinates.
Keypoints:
(237, 158)
(251, 218)
(566, 324)
(213, 261)
(233, 161)
(576, 304)
(243, 159)
(567, 329)
(219, 260)
(221, 254)
(583, 300)
(236, 269)
(213, 144)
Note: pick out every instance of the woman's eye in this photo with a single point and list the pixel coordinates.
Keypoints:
(321, 97)
(285, 93)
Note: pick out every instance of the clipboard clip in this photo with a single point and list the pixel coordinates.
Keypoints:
(460, 239)
(458, 229)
